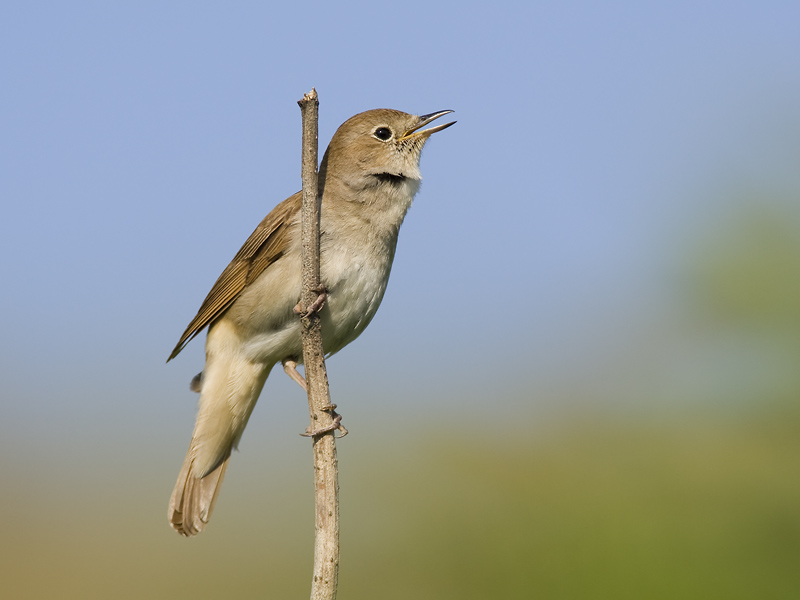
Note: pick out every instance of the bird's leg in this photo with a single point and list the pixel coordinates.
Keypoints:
(290, 367)
(316, 306)
(337, 424)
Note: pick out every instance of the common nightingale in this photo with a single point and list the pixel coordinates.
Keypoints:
(367, 179)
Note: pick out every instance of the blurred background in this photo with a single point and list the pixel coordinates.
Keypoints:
(583, 381)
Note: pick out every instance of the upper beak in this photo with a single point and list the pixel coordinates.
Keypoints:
(424, 120)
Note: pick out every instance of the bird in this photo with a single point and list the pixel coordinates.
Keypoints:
(368, 178)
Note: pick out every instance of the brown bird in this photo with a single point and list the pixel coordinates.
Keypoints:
(367, 180)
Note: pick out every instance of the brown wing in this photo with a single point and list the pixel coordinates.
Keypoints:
(264, 246)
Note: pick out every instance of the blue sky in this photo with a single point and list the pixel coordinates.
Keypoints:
(142, 142)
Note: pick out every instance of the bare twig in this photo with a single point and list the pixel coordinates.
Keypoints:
(326, 484)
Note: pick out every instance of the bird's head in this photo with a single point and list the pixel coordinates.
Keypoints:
(379, 145)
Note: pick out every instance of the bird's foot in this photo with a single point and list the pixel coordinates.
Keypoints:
(337, 424)
(316, 306)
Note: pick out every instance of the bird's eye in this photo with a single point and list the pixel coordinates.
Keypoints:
(383, 133)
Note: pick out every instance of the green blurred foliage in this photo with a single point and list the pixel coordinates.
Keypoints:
(747, 272)
(590, 509)
(744, 302)
(595, 510)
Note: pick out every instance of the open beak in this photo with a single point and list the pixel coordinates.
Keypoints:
(424, 120)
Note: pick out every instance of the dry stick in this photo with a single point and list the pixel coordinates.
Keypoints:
(326, 476)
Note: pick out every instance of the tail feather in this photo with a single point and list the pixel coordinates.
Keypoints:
(194, 497)
(229, 387)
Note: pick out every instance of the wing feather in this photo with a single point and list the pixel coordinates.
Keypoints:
(264, 246)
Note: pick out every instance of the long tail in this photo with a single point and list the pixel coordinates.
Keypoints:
(194, 497)
(230, 387)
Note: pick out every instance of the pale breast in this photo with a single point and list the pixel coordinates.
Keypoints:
(355, 284)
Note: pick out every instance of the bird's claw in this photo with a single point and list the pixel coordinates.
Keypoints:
(316, 306)
(337, 424)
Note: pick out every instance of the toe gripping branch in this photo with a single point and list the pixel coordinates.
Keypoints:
(316, 306)
(337, 424)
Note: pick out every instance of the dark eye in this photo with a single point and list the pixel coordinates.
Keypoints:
(383, 133)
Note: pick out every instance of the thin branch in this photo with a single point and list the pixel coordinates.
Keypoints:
(326, 475)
